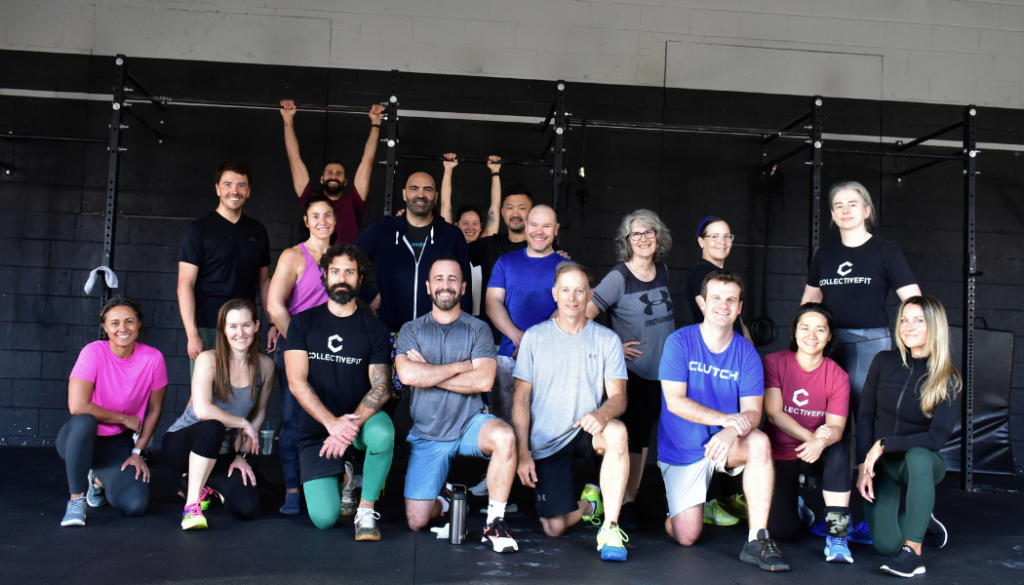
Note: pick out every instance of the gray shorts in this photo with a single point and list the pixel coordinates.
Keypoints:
(687, 485)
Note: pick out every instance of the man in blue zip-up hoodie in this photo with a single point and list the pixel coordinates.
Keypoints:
(402, 249)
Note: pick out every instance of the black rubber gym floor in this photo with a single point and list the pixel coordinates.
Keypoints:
(986, 541)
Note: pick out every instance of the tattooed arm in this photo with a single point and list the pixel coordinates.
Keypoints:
(380, 391)
(491, 223)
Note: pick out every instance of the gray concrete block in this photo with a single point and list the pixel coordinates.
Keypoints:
(887, 10)
(486, 33)
(714, 23)
(39, 394)
(668, 19)
(347, 51)
(22, 308)
(904, 87)
(541, 37)
(904, 35)
(957, 38)
(438, 30)
(1001, 41)
(19, 422)
(616, 15)
(860, 33)
(836, 9)
(605, 42)
(408, 56)
(958, 90)
(765, 26)
(813, 29)
(19, 252)
(997, 92)
(990, 15)
(20, 364)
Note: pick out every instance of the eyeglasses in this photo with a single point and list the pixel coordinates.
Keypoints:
(649, 234)
(716, 237)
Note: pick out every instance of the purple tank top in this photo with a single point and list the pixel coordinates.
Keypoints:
(309, 291)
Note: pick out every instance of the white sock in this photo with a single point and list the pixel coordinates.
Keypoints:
(495, 510)
(444, 504)
(752, 534)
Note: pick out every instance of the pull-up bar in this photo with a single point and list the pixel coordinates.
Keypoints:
(461, 160)
(171, 101)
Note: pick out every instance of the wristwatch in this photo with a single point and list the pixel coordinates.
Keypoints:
(137, 451)
(881, 443)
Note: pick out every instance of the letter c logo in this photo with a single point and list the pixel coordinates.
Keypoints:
(801, 394)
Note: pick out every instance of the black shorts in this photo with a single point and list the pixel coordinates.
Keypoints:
(556, 476)
(642, 409)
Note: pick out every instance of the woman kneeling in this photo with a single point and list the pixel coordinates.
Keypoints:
(230, 390)
(807, 400)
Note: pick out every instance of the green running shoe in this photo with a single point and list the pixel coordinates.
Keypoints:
(592, 494)
(736, 506)
(715, 514)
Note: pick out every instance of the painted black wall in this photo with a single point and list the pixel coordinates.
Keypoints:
(51, 206)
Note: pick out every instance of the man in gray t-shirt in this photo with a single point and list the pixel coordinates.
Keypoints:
(446, 358)
(565, 367)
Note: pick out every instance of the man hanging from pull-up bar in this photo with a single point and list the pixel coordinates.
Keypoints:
(348, 207)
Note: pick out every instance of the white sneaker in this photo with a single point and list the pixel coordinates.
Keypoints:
(480, 489)
(366, 524)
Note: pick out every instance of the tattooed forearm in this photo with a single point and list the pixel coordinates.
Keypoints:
(380, 387)
(491, 218)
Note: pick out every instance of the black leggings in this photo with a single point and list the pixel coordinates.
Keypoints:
(204, 438)
(82, 450)
(642, 409)
(784, 517)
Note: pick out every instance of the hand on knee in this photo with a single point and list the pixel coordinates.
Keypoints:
(759, 447)
(615, 436)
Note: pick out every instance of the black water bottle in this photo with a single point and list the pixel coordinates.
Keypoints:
(459, 513)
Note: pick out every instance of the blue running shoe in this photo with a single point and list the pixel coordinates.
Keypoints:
(611, 542)
(860, 533)
(806, 515)
(836, 550)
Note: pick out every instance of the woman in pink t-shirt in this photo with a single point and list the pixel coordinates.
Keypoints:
(807, 400)
(116, 391)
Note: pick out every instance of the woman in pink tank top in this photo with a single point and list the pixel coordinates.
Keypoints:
(295, 287)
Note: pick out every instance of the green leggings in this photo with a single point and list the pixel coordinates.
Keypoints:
(377, 438)
(920, 470)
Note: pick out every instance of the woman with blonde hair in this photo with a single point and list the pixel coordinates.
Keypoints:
(909, 406)
(635, 295)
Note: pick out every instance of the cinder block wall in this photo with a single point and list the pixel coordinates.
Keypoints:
(940, 51)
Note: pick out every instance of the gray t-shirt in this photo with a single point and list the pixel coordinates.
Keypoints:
(638, 311)
(438, 414)
(568, 373)
(240, 404)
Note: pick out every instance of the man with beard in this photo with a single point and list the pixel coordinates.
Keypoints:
(224, 255)
(519, 297)
(338, 361)
(402, 248)
(446, 359)
(348, 207)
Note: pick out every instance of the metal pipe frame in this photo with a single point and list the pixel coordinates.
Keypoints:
(557, 165)
(12, 136)
(391, 112)
(7, 168)
(138, 87)
(113, 167)
(786, 156)
(523, 162)
(171, 101)
(786, 128)
(145, 124)
(944, 157)
(927, 137)
(970, 273)
(815, 162)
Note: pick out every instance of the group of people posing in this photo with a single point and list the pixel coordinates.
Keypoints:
(476, 343)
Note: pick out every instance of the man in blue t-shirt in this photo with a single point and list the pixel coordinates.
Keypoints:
(712, 397)
(519, 297)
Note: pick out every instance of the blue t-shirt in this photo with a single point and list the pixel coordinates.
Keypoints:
(714, 380)
(527, 282)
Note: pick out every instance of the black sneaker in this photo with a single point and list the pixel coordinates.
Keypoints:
(937, 536)
(763, 553)
(906, 563)
(630, 517)
(497, 534)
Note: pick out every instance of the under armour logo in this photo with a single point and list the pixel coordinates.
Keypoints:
(334, 343)
(542, 498)
(253, 240)
(797, 397)
(664, 300)
(592, 356)
(845, 268)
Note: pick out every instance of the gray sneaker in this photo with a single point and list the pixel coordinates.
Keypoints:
(366, 524)
(75, 515)
(348, 492)
(95, 496)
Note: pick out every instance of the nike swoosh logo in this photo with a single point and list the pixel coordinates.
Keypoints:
(372, 453)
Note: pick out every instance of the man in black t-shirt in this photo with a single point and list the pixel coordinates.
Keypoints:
(224, 255)
(338, 360)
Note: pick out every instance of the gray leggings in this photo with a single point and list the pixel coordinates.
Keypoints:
(82, 450)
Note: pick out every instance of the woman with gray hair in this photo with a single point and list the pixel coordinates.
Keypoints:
(635, 295)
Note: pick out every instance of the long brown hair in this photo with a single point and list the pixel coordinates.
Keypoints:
(942, 382)
(222, 380)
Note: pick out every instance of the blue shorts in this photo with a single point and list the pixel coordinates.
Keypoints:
(431, 460)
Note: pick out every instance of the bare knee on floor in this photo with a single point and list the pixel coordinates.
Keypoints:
(554, 526)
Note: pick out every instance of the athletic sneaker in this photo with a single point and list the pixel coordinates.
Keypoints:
(348, 492)
(905, 563)
(75, 514)
(500, 538)
(366, 524)
(763, 553)
(192, 517)
(592, 494)
(629, 516)
(860, 533)
(611, 543)
(95, 496)
(806, 515)
(480, 489)
(836, 550)
(715, 514)
(937, 536)
(736, 506)
(205, 497)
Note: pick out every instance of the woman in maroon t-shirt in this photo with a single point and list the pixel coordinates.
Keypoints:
(807, 399)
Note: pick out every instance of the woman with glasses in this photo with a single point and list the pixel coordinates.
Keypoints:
(635, 295)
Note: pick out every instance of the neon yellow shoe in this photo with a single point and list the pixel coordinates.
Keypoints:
(736, 506)
(611, 543)
(592, 494)
(715, 514)
(192, 518)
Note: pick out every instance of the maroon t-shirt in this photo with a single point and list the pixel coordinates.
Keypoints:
(348, 210)
(806, 396)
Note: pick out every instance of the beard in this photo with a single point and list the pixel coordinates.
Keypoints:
(342, 293)
(333, 188)
(520, 229)
(449, 304)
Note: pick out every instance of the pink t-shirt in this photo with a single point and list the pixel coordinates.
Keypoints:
(121, 385)
(806, 396)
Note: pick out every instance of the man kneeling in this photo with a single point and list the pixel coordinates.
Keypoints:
(564, 367)
(712, 394)
(447, 357)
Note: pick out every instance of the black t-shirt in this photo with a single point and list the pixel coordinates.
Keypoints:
(485, 253)
(855, 281)
(229, 257)
(417, 237)
(340, 351)
(698, 272)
